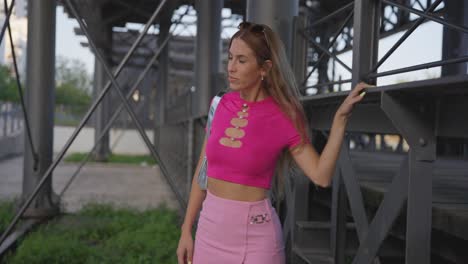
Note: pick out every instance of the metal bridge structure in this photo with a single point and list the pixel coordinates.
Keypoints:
(401, 203)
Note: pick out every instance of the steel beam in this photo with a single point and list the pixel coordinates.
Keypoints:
(102, 35)
(387, 213)
(116, 114)
(40, 101)
(299, 55)
(353, 191)
(101, 116)
(328, 17)
(19, 85)
(162, 82)
(422, 66)
(129, 109)
(207, 54)
(338, 218)
(366, 38)
(455, 43)
(278, 15)
(448, 93)
(416, 123)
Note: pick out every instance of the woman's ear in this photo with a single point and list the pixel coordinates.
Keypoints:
(266, 67)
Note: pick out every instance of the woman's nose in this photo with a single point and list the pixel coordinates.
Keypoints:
(231, 67)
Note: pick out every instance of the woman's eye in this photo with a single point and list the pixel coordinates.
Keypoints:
(242, 61)
(229, 58)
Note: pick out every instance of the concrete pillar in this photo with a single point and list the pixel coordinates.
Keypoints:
(207, 55)
(40, 103)
(277, 14)
(103, 35)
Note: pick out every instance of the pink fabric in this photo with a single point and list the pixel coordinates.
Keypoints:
(226, 233)
(268, 132)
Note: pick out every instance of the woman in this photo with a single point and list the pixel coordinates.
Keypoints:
(260, 119)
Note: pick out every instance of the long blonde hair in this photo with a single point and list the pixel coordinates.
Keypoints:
(279, 83)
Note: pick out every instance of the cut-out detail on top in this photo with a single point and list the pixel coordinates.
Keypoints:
(230, 142)
(273, 133)
(234, 132)
(238, 122)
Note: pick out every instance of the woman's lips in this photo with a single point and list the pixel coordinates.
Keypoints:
(232, 79)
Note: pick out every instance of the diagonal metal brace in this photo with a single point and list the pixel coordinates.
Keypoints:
(116, 114)
(353, 191)
(415, 119)
(127, 106)
(388, 211)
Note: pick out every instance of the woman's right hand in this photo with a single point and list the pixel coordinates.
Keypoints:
(185, 248)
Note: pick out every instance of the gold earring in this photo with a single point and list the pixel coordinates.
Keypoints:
(262, 77)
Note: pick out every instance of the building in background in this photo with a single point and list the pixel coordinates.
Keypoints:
(19, 31)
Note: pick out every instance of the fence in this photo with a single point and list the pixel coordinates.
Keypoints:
(11, 129)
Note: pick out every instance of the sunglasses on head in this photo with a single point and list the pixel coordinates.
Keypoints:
(258, 29)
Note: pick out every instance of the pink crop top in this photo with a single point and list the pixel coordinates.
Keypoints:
(246, 140)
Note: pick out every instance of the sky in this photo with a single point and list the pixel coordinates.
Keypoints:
(424, 45)
(67, 43)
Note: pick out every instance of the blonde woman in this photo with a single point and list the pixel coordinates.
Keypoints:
(257, 121)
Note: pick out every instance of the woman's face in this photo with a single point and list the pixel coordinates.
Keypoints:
(243, 69)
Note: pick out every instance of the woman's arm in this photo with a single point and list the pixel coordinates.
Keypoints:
(196, 198)
(320, 168)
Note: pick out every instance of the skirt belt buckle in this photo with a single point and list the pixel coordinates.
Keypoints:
(259, 219)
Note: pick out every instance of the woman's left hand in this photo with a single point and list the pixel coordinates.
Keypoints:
(353, 97)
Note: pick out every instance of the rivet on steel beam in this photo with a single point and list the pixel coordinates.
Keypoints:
(422, 142)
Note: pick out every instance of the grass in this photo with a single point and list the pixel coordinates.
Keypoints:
(116, 158)
(103, 234)
(6, 214)
(72, 123)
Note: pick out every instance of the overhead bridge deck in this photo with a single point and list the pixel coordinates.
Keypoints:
(449, 191)
(447, 96)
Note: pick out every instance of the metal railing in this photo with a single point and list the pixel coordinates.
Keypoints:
(11, 119)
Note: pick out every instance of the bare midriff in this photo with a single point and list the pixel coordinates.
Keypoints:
(235, 191)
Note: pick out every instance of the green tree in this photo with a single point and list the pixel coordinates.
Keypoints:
(72, 72)
(67, 94)
(73, 87)
(8, 87)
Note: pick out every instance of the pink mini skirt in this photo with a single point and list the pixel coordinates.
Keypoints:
(237, 232)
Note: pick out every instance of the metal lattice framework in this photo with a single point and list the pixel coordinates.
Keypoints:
(413, 110)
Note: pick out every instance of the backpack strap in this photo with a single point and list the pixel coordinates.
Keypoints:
(213, 106)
